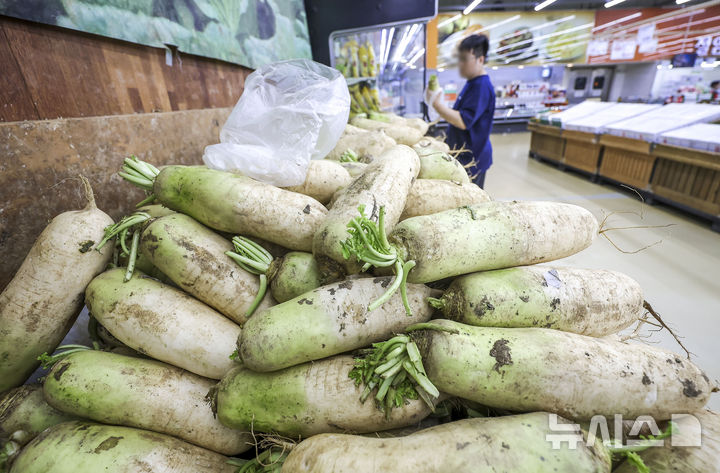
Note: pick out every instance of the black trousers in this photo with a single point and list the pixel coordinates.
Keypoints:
(480, 179)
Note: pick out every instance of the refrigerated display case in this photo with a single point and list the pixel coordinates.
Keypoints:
(384, 67)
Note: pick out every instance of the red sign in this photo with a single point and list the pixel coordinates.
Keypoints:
(654, 33)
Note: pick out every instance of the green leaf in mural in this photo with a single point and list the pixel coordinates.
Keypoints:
(226, 12)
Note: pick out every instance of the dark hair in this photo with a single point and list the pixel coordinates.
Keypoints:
(478, 44)
(715, 83)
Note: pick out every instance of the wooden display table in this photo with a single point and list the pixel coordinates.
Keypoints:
(546, 142)
(690, 178)
(582, 151)
(626, 161)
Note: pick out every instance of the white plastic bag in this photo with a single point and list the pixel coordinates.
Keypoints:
(289, 113)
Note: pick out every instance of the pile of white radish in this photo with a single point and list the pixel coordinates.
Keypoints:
(384, 316)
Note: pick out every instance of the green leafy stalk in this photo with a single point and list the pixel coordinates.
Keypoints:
(368, 244)
(630, 452)
(141, 174)
(48, 361)
(254, 259)
(349, 156)
(128, 228)
(394, 370)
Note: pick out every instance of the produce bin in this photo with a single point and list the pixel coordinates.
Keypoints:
(546, 142)
(627, 161)
(582, 150)
(688, 177)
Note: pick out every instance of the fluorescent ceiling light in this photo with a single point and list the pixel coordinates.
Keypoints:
(612, 3)
(550, 23)
(386, 53)
(417, 56)
(447, 21)
(495, 25)
(680, 2)
(693, 11)
(472, 6)
(542, 5)
(615, 22)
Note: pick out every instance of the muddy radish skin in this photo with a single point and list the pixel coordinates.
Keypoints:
(367, 144)
(686, 456)
(24, 413)
(136, 392)
(193, 257)
(324, 178)
(575, 376)
(238, 204)
(305, 400)
(74, 447)
(163, 322)
(326, 321)
(429, 196)
(585, 301)
(442, 166)
(485, 445)
(493, 235)
(292, 275)
(386, 182)
(44, 298)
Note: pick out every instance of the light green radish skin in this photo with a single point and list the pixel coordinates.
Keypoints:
(585, 301)
(529, 369)
(40, 304)
(74, 447)
(136, 392)
(386, 182)
(292, 275)
(163, 322)
(493, 235)
(324, 178)
(442, 166)
(354, 169)
(429, 196)
(685, 456)
(430, 145)
(193, 257)
(326, 321)
(237, 204)
(402, 134)
(23, 415)
(306, 400)
(483, 445)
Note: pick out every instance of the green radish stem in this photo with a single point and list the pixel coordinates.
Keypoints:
(349, 156)
(395, 368)
(254, 259)
(368, 243)
(630, 452)
(47, 361)
(127, 227)
(141, 174)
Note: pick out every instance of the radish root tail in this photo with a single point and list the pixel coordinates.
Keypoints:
(604, 229)
(656, 316)
(89, 195)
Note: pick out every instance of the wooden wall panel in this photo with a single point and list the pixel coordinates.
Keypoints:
(40, 159)
(51, 72)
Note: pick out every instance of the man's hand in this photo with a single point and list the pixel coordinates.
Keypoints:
(431, 96)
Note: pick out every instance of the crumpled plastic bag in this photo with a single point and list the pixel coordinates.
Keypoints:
(289, 113)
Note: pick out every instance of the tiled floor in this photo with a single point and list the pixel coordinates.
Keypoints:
(680, 273)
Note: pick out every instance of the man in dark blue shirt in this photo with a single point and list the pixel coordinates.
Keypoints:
(471, 117)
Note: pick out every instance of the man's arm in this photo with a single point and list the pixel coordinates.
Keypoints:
(451, 116)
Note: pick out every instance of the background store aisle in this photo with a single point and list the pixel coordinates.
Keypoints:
(680, 275)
